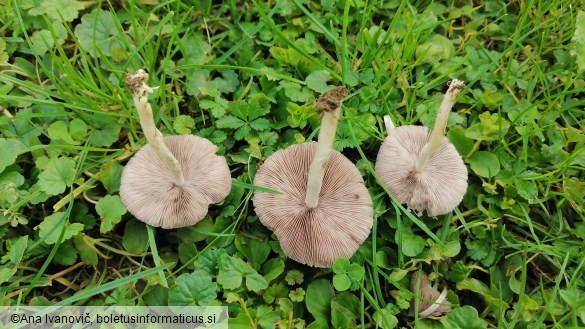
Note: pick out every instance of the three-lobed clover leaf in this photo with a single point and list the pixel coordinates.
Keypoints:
(347, 275)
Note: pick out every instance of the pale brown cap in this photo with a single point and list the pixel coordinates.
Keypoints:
(438, 188)
(431, 303)
(341, 221)
(148, 186)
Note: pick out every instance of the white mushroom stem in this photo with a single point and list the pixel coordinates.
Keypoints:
(322, 154)
(389, 124)
(140, 91)
(324, 144)
(438, 133)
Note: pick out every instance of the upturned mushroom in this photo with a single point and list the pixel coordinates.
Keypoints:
(171, 181)
(423, 169)
(325, 211)
(431, 303)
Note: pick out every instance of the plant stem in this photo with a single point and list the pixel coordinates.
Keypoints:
(440, 123)
(140, 91)
(330, 104)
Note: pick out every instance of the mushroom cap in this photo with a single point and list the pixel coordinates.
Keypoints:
(431, 303)
(335, 228)
(148, 186)
(438, 188)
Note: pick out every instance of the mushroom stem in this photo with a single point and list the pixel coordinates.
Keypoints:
(438, 133)
(330, 104)
(140, 91)
(389, 124)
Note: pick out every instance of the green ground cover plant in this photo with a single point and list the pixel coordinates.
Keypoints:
(245, 75)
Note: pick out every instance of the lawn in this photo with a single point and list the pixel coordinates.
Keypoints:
(246, 76)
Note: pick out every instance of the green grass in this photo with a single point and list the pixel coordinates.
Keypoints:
(511, 254)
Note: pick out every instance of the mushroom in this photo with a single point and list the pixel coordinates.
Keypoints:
(325, 211)
(431, 303)
(422, 169)
(172, 180)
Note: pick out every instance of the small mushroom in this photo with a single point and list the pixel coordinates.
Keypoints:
(423, 169)
(171, 181)
(431, 303)
(325, 211)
